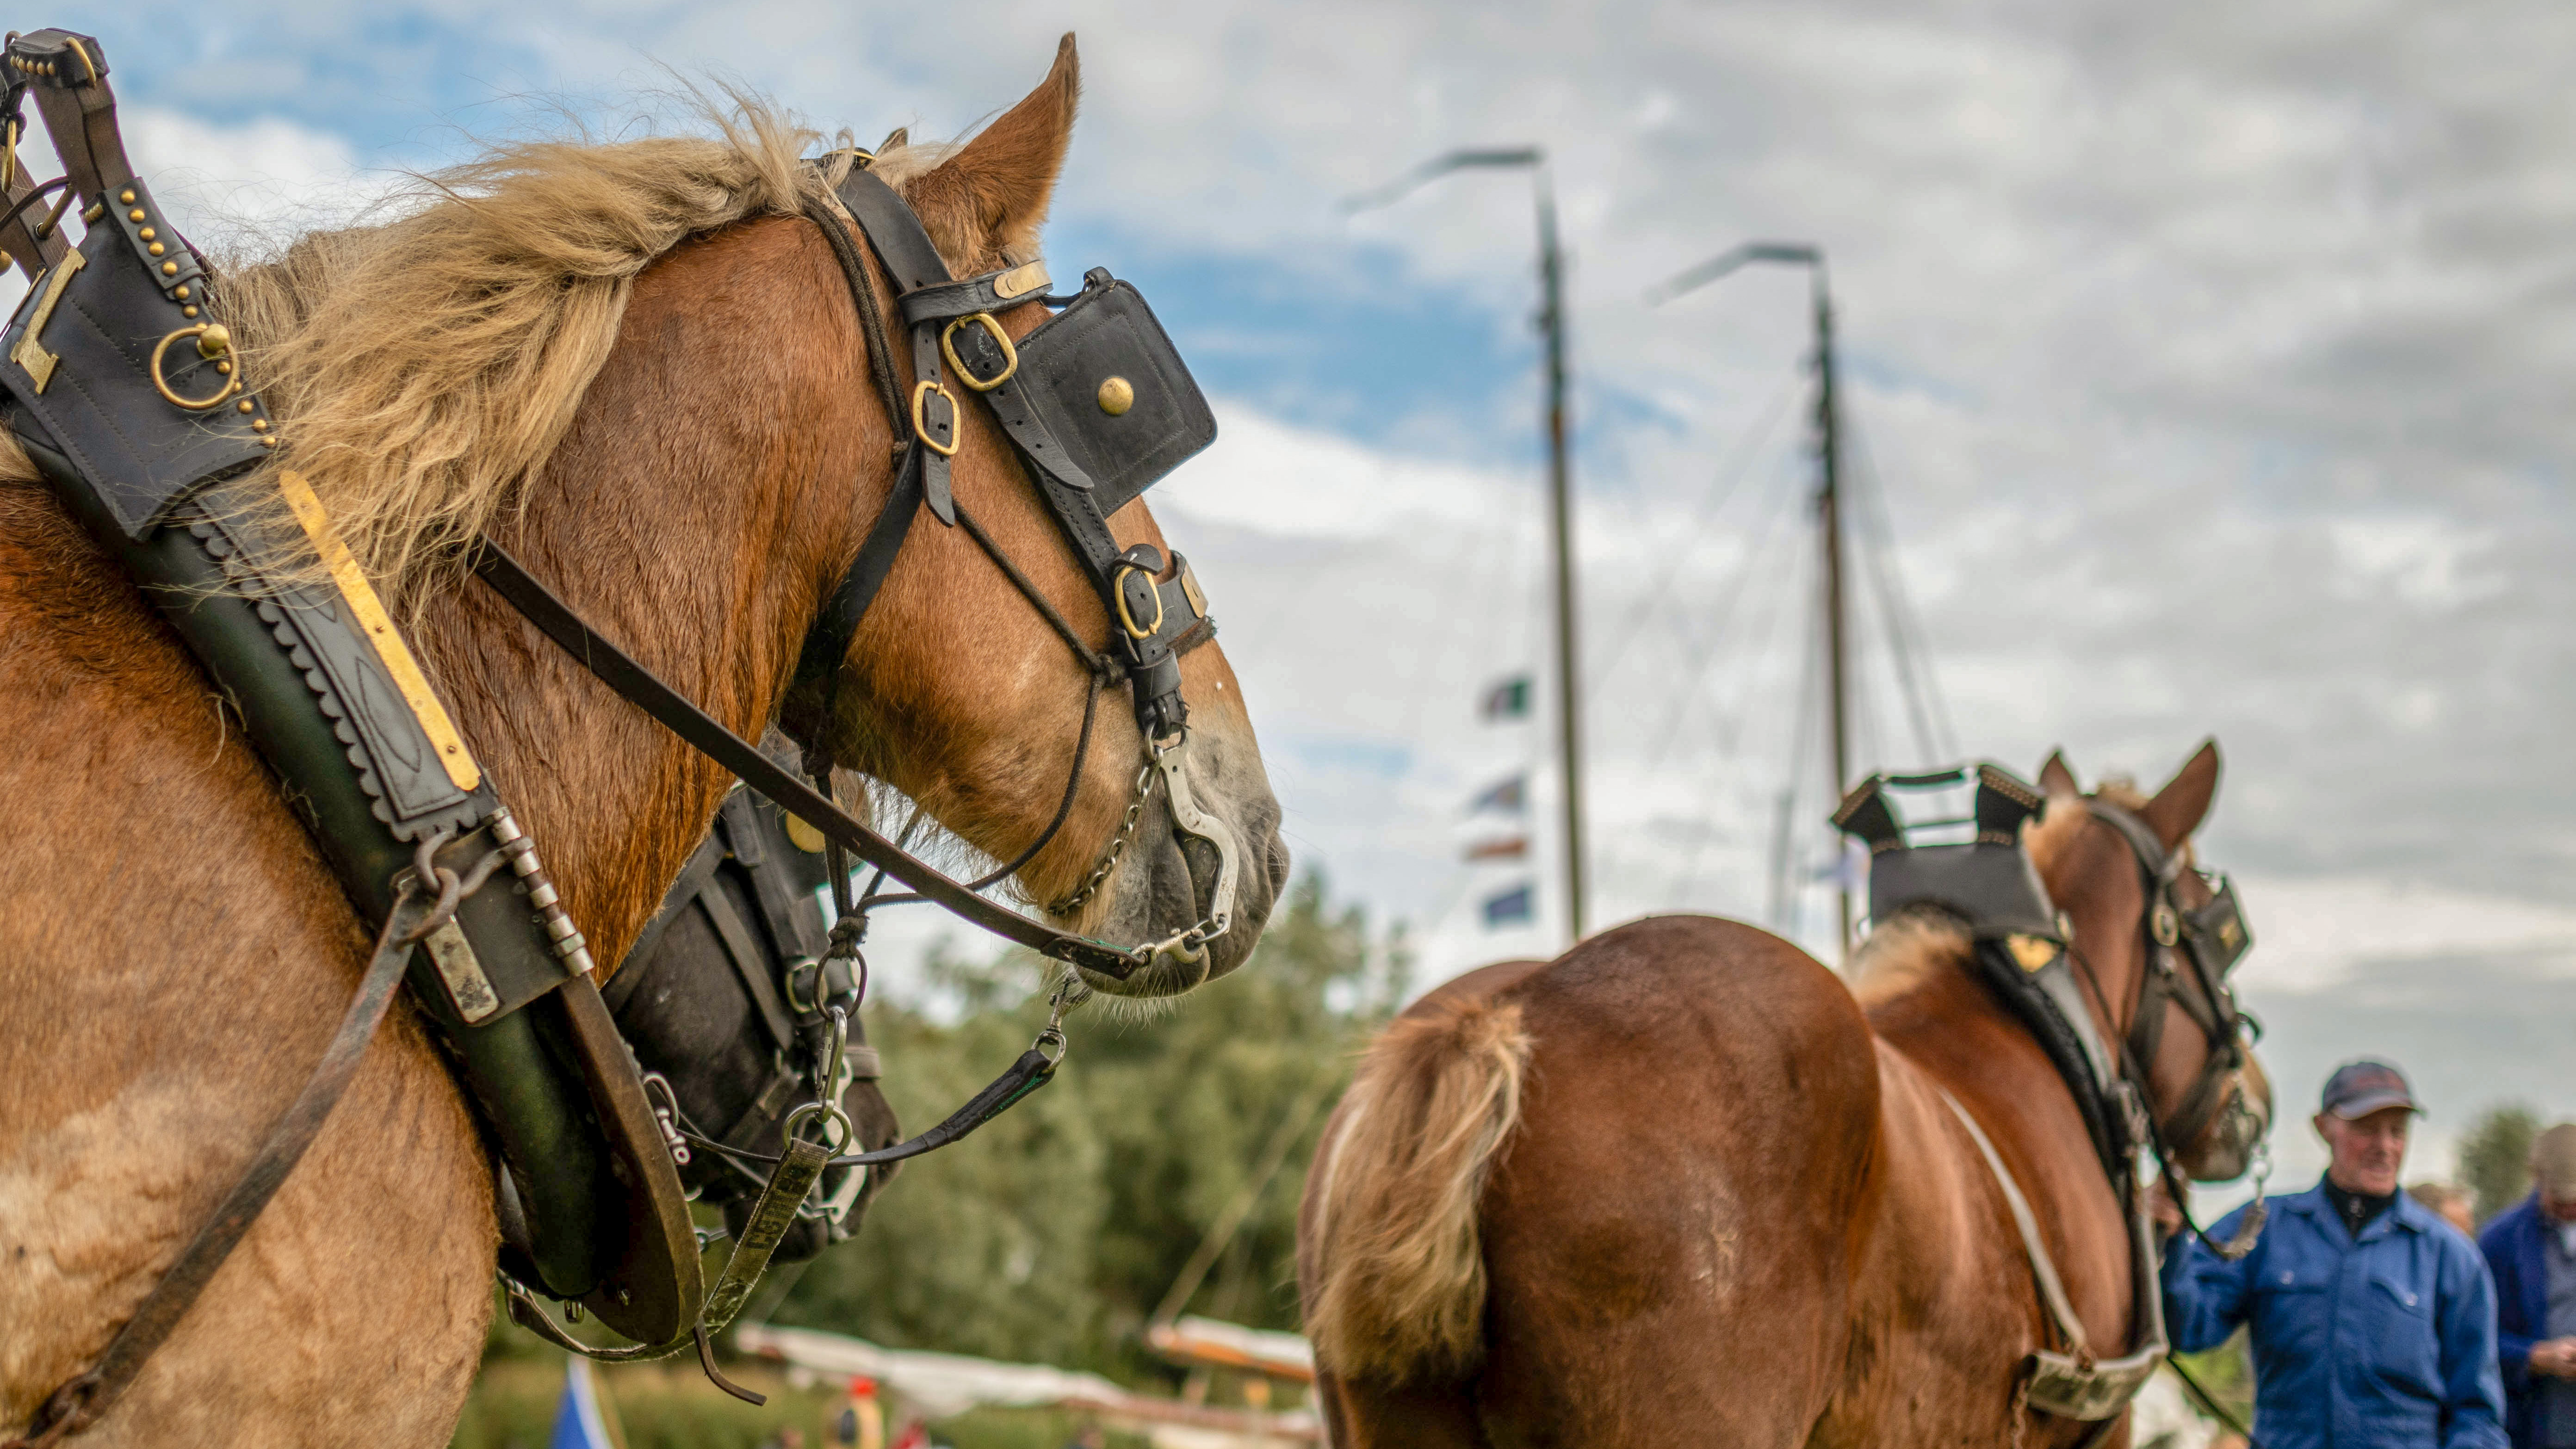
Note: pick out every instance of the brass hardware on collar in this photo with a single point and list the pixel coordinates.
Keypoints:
(30, 353)
(212, 341)
(188, 311)
(1002, 339)
(2031, 953)
(1021, 280)
(805, 837)
(1190, 589)
(1126, 620)
(147, 234)
(137, 214)
(126, 196)
(169, 269)
(156, 249)
(83, 52)
(248, 406)
(1117, 395)
(921, 392)
(408, 679)
(95, 213)
(181, 292)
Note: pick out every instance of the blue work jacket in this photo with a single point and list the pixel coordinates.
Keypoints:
(2387, 1342)
(2517, 1250)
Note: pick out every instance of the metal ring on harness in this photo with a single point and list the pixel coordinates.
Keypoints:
(213, 340)
(1126, 620)
(1002, 339)
(920, 392)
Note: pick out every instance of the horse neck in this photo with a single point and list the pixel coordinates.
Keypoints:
(695, 527)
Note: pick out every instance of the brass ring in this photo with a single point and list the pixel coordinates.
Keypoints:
(1010, 354)
(1126, 620)
(83, 52)
(195, 405)
(920, 391)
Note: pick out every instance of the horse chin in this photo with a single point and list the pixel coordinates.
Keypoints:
(1167, 884)
(2226, 1149)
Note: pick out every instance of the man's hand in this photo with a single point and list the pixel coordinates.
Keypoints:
(2554, 1357)
(2168, 1218)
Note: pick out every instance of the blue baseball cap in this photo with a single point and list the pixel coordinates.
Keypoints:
(2360, 1088)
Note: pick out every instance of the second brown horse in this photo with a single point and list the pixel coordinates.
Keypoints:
(1683, 1185)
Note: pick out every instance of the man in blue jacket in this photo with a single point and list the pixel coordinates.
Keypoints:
(2532, 1250)
(2373, 1321)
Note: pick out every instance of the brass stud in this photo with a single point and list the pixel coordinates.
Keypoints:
(156, 249)
(135, 215)
(224, 367)
(188, 311)
(247, 405)
(1117, 395)
(259, 425)
(147, 233)
(214, 340)
(180, 291)
(268, 440)
(126, 196)
(169, 269)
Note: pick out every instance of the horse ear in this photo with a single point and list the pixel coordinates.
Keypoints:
(2178, 808)
(2056, 777)
(988, 201)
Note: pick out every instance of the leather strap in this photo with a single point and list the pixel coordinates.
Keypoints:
(79, 1403)
(639, 686)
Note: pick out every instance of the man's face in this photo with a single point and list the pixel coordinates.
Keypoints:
(2559, 1209)
(2368, 1151)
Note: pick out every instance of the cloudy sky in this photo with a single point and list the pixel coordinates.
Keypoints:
(2205, 365)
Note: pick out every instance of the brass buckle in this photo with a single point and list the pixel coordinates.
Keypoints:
(1118, 597)
(1010, 354)
(920, 429)
(213, 342)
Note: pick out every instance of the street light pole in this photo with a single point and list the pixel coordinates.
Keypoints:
(1560, 477)
(1829, 471)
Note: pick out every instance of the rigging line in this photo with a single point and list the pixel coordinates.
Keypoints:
(1877, 560)
(1800, 581)
(1787, 891)
(1703, 651)
(1907, 621)
(1730, 475)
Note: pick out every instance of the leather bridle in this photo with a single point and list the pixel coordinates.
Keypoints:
(952, 329)
(2208, 939)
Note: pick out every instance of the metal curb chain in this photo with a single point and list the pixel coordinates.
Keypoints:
(1136, 798)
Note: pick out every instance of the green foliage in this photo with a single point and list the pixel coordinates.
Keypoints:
(2495, 1157)
(2226, 1373)
(1051, 1235)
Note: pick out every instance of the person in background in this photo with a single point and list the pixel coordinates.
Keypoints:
(2450, 1202)
(2531, 1249)
(2372, 1323)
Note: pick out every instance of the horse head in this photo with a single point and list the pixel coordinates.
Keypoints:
(2155, 938)
(967, 696)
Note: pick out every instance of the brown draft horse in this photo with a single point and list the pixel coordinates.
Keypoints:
(640, 370)
(1683, 1186)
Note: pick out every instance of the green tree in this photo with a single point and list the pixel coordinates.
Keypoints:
(2495, 1156)
(1052, 1234)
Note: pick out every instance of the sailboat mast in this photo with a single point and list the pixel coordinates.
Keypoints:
(1829, 518)
(1560, 496)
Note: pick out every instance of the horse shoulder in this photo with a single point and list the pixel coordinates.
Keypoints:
(172, 957)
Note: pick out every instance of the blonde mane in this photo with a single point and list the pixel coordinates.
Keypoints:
(420, 367)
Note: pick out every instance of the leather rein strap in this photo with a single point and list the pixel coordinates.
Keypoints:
(613, 667)
(81, 1401)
